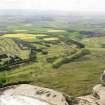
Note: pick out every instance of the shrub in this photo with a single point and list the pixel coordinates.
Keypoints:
(3, 80)
(51, 59)
(44, 51)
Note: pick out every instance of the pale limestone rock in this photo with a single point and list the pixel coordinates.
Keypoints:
(20, 100)
(47, 95)
(86, 100)
(99, 92)
(97, 98)
(102, 78)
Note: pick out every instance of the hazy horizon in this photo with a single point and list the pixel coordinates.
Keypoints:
(50, 12)
(52, 5)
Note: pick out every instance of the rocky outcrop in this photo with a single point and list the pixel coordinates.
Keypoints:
(50, 97)
(96, 98)
(44, 94)
(53, 97)
(99, 93)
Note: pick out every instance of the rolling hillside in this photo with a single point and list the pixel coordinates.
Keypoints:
(68, 51)
(13, 53)
(10, 48)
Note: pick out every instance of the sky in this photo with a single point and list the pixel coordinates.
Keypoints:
(65, 5)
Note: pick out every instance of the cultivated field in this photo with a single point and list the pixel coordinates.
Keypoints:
(25, 37)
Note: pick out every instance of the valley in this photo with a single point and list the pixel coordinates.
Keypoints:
(62, 52)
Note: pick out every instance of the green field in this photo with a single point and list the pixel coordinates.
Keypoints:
(11, 48)
(74, 78)
(25, 37)
(64, 51)
(95, 42)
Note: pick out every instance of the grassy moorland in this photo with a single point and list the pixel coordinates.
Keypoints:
(76, 77)
(67, 51)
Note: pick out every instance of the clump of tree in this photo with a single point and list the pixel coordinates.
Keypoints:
(70, 41)
(79, 44)
(32, 55)
(44, 51)
(70, 58)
